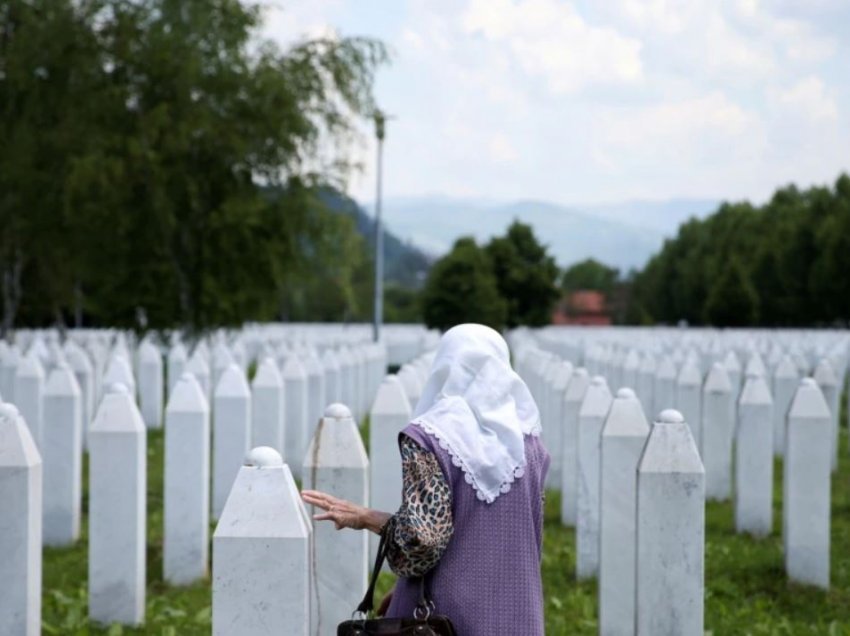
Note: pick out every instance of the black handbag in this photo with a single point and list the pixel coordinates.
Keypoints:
(424, 622)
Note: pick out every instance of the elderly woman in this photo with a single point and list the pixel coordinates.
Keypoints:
(471, 517)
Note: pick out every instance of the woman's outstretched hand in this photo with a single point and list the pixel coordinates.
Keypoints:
(343, 513)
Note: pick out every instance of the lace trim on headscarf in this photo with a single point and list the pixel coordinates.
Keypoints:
(468, 475)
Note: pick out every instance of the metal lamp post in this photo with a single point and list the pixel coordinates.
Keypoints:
(380, 120)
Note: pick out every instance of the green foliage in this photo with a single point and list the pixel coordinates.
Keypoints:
(461, 288)
(790, 256)
(733, 300)
(590, 274)
(509, 282)
(133, 139)
(525, 274)
(401, 304)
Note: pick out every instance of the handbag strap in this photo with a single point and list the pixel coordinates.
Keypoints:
(368, 602)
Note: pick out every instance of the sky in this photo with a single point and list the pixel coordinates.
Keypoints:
(591, 101)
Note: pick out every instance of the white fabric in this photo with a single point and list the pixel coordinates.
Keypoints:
(478, 409)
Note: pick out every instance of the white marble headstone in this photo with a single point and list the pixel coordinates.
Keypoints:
(261, 554)
(670, 532)
(151, 383)
(117, 510)
(785, 382)
(806, 487)
(592, 415)
(623, 439)
(62, 450)
(754, 458)
(718, 433)
(29, 393)
(689, 397)
(267, 427)
(295, 412)
(20, 529)
(573, 398)
(231, 434)
(186, 483)
(336, 464)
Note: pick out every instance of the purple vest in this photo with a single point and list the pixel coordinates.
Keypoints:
(488, 581)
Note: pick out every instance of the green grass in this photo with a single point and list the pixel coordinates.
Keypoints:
(746, 588)
(747, 592)
(170, 611)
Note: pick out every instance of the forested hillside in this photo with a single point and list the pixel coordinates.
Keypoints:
(785, 263)
(404, 263)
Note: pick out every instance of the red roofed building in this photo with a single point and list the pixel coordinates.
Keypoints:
(583, 307)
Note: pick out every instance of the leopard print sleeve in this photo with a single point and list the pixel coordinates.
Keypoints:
(419, 532)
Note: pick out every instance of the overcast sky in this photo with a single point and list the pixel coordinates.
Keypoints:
(600, 100)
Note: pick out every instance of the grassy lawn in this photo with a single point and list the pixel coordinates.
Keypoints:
(747, 592)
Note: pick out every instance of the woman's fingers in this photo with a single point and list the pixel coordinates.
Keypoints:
(343, 513)
(338, 520)
(320, 499)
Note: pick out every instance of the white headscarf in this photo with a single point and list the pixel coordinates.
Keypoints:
(479, 409)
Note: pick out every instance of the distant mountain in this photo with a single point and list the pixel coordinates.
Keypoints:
(404, 262)
(624, 235)
(665, 216)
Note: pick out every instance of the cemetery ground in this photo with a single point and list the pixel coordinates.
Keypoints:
(746, 588)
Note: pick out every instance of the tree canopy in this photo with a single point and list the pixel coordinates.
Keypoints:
(461, 287)
(590, 274)
(526, 276)
(780, 264)
(510, 281)
(157, 158)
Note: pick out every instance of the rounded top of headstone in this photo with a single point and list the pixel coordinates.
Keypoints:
(148, 351)
(690, 374)
(30, 366)
(717, 380)
(63, 365)
(597, 380)
(670, 416)
(337, 411)
(786, 367)
(267, 374)
(232, 383)
(118, 387)
(8, 410)
(263, 457)
(186, 376)
(625, 393)
(808, 382)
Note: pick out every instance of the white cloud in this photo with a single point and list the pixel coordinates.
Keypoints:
(550, 39)
(800, 43)
(501, 149)
(664, 16)
(588, 101)
(682, 122)
(810, 98)
(290, 22)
